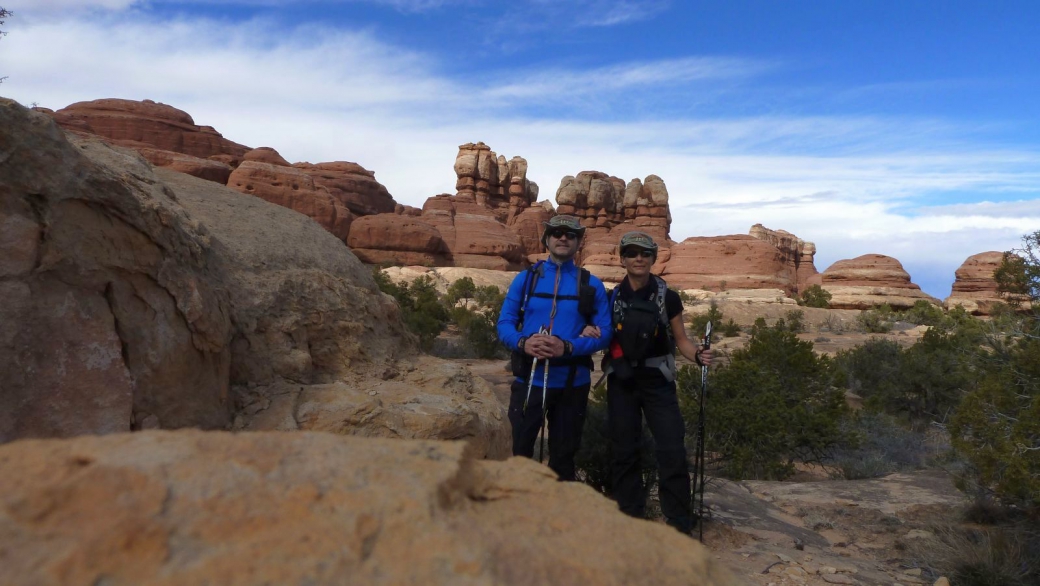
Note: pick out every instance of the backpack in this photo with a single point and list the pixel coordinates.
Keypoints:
(637, 322)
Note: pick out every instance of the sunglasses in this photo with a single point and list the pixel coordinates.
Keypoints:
(568, 233)
(635, 253)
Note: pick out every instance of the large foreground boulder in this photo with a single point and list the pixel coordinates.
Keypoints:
(193, 507)
(139, 298)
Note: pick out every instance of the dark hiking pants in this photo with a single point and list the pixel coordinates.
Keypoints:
(565, 415)
(627, 404)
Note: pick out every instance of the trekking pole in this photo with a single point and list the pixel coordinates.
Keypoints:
(698, 473)
(545, 385)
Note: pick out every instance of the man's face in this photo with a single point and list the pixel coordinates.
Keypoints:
(563, 243)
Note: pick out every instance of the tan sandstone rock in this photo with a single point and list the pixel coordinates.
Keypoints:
(974, 287)
(192, 507)
(725, 262)
(795, 253)
(868, 281)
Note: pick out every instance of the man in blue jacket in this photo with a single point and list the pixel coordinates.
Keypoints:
(541, 322)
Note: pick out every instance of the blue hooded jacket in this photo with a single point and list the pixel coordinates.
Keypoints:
(567, 323)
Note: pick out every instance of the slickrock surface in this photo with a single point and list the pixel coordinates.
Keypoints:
(868, 281)
(139, 298)
(193, 507)
(474, 234)
(974, 287)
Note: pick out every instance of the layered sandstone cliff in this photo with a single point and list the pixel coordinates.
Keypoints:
(868, 281)
(974, 287)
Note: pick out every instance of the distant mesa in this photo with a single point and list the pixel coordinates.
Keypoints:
(868, 281)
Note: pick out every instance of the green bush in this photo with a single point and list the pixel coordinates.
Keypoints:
(421, 309)
(878, 320)
(878, 445)
(461, 289)
(795, 320)
(772, 405)
(924, 313)
(815, 296)
(729, 329)
(700, 322)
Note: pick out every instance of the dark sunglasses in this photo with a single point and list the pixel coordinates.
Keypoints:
(634, 253)
(568, 233)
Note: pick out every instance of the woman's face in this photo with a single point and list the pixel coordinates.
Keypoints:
(637, 261)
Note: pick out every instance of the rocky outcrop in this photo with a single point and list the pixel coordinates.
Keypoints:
(137, 297)
(718, 263)
(974, 287)
(398, 240)
(490, 180)
(868, 281)
(192, 507)
(164, 135)
(265, 174)
(353, 185)
(795, 253)
(474, 234)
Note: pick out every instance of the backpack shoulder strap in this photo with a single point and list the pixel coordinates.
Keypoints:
(662, 292)
(530, 282)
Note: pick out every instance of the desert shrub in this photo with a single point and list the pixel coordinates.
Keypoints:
(773, 404)
(421, 309)
(686, 298)
(795, 320)
(924, 313)
(815, 296)
(877, 445)
(878, 320)
(478, 327)
(729, 329)
(460, 290)
(833, 324)
(700, 321)
(990, 556)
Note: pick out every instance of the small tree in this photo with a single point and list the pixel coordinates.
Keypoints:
(1018, 276)
(462, 289)
(4, 13)
(815, 296)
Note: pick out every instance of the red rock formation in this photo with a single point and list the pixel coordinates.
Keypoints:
(399, 240)
(491, 181)
(353, 185)
(265, 174)
(150, 128)
(974, 287)
(474, 234)
(794, 252)
(868, 281)
(729, 262)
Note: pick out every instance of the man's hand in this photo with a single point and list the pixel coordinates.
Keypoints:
(544, 346)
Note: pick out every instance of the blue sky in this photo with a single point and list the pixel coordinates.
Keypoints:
(906, 128)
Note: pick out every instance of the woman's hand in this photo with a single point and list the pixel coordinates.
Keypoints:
(590, 331)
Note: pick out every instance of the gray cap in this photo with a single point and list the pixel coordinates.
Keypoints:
(562, 221)
(638, 239)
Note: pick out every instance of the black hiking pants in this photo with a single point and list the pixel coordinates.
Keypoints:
(566, 418)
(627, 403)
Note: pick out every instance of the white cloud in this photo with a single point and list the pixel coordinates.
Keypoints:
(851, 185)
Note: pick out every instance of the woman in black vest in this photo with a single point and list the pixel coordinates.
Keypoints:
(649, 330)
